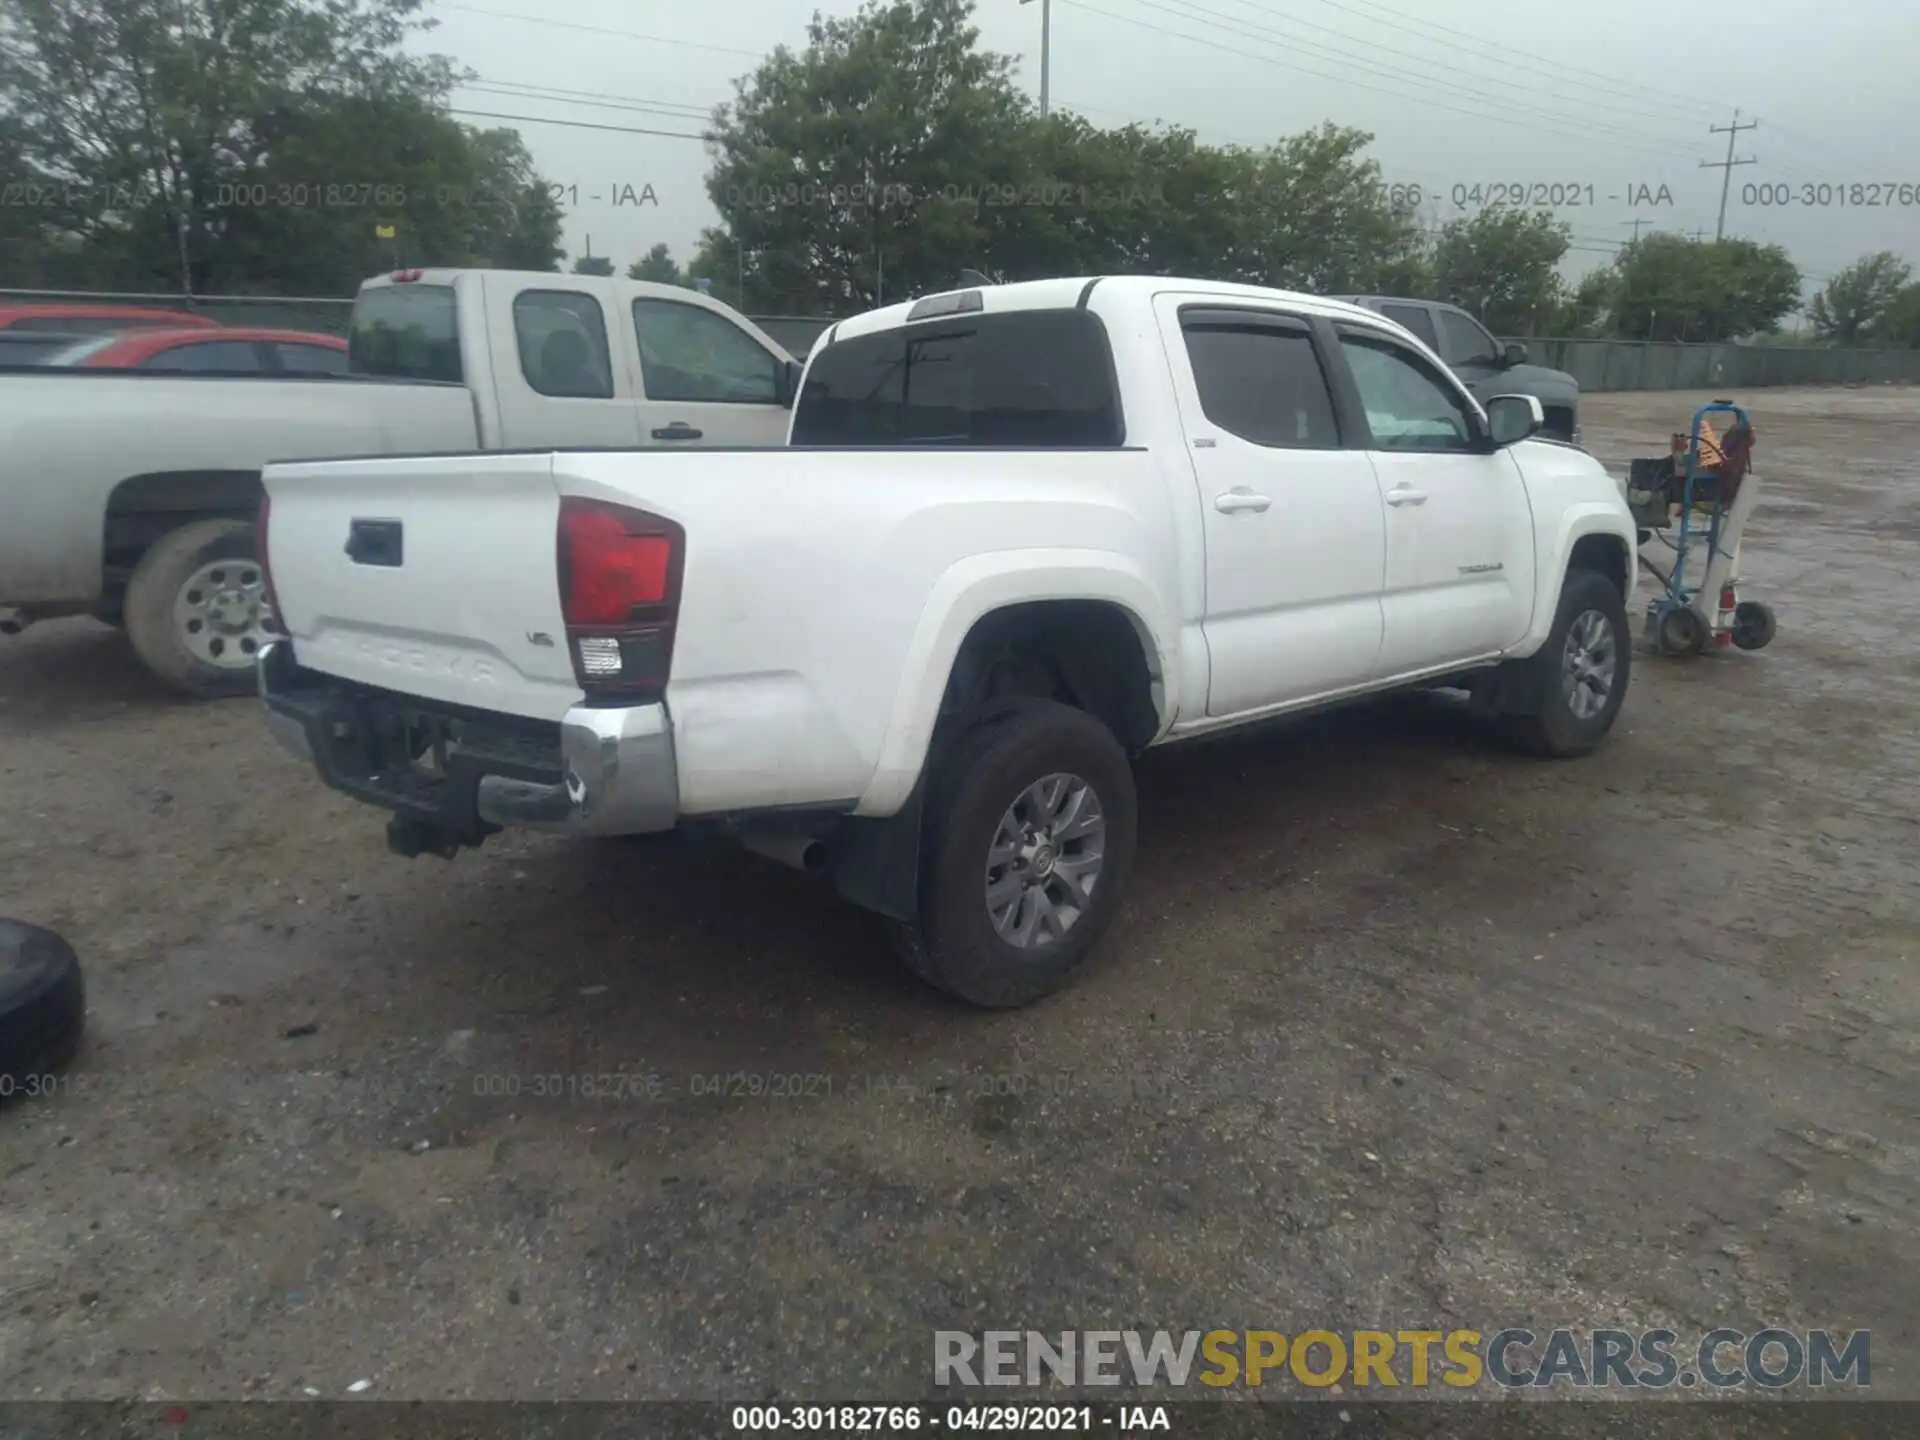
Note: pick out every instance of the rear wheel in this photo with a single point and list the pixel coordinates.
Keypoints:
(1579, 677)
(1030, 839)
(196, 608)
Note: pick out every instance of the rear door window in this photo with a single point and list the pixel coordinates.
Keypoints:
(407, 332)
(562, 335)
(1262, 381)
(1417, 318)
(1022, 378)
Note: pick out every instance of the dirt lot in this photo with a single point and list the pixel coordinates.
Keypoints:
(1415, 1032)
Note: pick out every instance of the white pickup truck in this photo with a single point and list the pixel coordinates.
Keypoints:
(131, 494)
(1020, 532)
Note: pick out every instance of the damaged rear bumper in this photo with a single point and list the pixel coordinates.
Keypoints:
(451, 776)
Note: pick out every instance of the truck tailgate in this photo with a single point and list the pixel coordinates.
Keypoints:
(450, 591)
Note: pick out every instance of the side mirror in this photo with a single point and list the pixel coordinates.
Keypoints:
(786, 383)
(1514, 354)
(1512, 418)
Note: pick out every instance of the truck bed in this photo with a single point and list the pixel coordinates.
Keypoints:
(819, 585)
(69, 439)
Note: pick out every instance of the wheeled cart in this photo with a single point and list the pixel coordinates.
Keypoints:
(1692, 507)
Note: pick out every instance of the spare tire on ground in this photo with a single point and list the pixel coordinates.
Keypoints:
(43, 1006)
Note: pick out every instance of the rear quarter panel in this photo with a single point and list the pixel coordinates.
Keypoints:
(68, 440)
(826, 593)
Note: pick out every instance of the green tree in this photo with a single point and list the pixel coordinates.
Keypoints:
(1854, 302)
(1321, 217)
(1899, 323)
(847, 166)
(1503, 265)
(892, 153)
(257, 145)
(658, 266)
(1587, 308)
(1666, 287)
(593, 265)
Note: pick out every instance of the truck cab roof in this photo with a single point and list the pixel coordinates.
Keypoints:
(1080, 291)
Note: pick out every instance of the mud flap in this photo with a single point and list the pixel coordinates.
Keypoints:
(876, 862)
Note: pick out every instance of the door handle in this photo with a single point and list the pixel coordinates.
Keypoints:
(1404, 496)
(1232, 502)
(678, 430)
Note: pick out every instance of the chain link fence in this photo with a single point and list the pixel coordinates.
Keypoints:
(1598, 365)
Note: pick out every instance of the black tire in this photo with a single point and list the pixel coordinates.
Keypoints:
(1754, 625)
(1553, 727)
(43, 1006)
(955, 944)
(158, 585)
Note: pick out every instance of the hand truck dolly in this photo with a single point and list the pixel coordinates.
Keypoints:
(1702, 492)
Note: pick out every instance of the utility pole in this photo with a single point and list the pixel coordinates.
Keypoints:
(1636, 224)
(1726, 166)
(1046, 48)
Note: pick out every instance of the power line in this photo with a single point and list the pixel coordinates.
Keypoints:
(1348, 80)
(1373, 49)
(702, 110)
(599, 30)
(1504, 53)
(576, 124)
(1200, 15)
(609, 103)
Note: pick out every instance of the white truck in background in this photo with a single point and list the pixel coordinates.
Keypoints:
(132, 494)
(1020, 532)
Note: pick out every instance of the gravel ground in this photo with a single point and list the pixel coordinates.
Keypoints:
(1397, 1030)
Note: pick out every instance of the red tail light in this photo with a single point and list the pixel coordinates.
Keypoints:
(619, 594)
(406, 277)
(271, 600)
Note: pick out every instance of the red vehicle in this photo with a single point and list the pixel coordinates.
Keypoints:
(227, 349)
(31, 333)
(95, 319)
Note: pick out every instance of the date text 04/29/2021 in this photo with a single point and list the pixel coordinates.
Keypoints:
(912, 1419)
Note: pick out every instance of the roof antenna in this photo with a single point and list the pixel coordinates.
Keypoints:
(974, 277)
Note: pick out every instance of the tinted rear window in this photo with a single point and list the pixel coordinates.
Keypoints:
(1041, 378)
(411, 332)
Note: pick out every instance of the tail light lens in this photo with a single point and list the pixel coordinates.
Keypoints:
(619, 571)
(271, 601)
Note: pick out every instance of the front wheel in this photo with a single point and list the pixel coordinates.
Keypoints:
(1579, 677)
(196, 608)
(1030, 839)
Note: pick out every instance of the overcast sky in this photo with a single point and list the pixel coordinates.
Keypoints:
(1600, 96)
